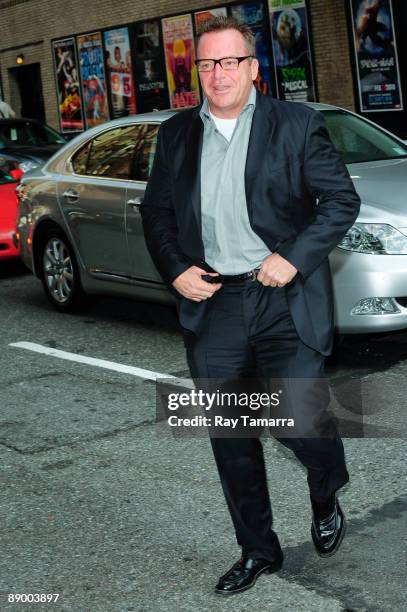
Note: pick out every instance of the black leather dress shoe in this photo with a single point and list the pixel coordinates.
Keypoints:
(327, 533)
(244, 573)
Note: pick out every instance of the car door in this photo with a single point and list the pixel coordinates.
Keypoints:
(142, 267)
(93, 200)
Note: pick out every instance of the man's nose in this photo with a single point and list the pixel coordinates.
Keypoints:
(218, 71)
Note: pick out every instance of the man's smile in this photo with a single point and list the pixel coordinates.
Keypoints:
(219, 89)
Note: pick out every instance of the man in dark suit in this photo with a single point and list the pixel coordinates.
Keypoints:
(246, 200)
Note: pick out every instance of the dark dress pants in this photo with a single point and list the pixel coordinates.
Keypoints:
(248, 331)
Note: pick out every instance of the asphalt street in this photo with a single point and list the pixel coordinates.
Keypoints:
(100, 508)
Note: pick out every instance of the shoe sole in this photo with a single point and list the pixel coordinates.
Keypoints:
(266, 570)
(339, 542)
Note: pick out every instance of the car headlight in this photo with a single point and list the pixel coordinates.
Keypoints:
(28, 165)
(375, 238)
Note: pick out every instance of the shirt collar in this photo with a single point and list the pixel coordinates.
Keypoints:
(251, 103)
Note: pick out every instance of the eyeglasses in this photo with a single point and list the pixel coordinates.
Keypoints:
(226, 63)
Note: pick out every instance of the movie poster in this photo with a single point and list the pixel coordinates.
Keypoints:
(179, 58)
(149, 66)
(93, 79)
(202, 16)
(120, 72)
(291, 50)
(376, 56)
(253, 15)
(67, 82)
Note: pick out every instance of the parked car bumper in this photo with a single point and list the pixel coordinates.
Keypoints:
(357, 276)
(8, 249)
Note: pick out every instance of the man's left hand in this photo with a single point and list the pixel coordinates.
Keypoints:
(275, 271)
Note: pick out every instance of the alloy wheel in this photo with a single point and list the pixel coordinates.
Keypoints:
(58, 270)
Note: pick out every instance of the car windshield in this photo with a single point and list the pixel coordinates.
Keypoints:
(359, 141)
(6, 178)
(22, 134)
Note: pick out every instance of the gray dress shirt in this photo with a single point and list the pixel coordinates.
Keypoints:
(231, 246)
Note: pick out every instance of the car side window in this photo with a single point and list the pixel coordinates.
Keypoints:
(80, 159)
(111, 153)
(144, 151)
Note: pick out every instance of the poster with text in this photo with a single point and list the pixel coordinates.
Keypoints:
(291, 50)
(253, 15)
(202, 16)
(120, 72)
(149, 66)
(179, 59)
(376, 56)
(93, 79)
(67, 82)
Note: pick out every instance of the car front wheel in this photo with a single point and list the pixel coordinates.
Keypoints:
(60, 273)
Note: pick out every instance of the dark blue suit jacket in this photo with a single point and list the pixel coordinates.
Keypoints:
(300, 200)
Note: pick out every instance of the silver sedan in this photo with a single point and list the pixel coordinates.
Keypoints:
(80, 229)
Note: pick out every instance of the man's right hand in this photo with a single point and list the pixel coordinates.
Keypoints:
(193, 287)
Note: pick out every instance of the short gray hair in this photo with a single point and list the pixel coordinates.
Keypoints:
(219, 24)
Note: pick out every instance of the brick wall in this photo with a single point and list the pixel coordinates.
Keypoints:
(331, 52)
(27, 26)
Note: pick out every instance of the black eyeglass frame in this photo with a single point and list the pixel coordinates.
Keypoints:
(218, 61)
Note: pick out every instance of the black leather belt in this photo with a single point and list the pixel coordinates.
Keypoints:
(232, 278)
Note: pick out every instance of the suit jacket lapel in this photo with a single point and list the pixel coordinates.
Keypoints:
(263, 126)
(194, 140)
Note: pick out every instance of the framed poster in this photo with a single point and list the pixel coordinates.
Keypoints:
(376, 57)
(202, 16)
(149, 66)
(179, 52)
(67, 83)
(292, 50)
(252, 13)
(93, 78)
(120, 72)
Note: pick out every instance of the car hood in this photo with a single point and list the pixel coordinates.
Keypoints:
(31, 152)
(382, 187)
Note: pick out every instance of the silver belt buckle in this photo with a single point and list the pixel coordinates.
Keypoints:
(253, 275)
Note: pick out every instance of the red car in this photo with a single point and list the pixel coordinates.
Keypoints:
(8, 215)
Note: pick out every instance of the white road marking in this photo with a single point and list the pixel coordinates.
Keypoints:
(100, 363)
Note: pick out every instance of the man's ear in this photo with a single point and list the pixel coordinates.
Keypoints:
(254, 66)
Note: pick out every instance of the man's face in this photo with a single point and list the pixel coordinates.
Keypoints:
(227, 90)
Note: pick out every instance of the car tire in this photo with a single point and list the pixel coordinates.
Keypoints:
(60, 273)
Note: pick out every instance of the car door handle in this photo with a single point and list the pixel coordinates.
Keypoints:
(71, 194)
(135, 202)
